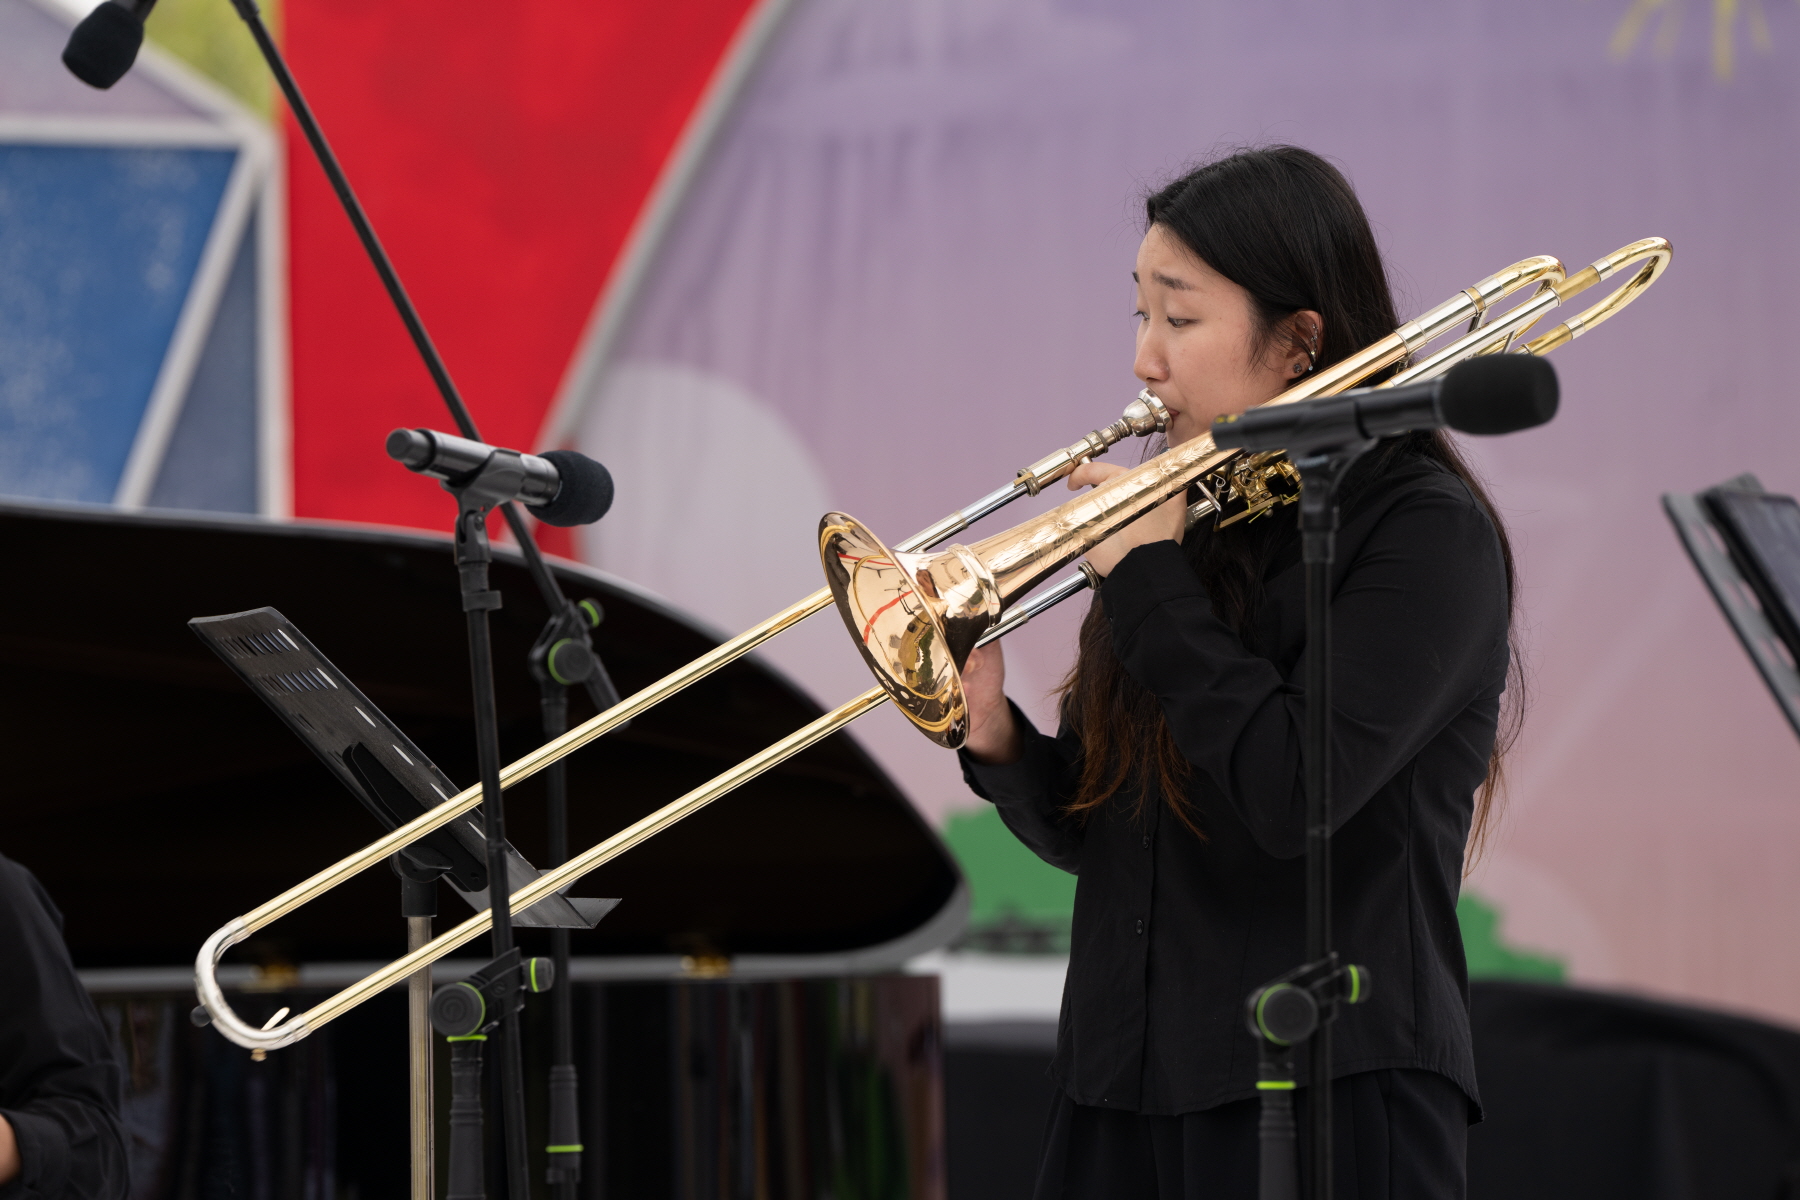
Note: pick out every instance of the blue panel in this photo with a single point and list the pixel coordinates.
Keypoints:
(98, 247)
(211, 460)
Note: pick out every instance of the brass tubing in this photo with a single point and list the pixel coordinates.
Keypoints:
(1655, 253)
(295, 1028)
(1019, 614)
(1488, 339)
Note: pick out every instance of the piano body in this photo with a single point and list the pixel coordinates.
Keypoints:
(742, 1024)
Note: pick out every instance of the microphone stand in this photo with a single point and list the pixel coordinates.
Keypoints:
(1298, 1008)
(499, 477)
(573, 628)
(563, 656)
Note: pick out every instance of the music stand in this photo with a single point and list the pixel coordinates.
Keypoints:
(396, 782)
(1745, 542)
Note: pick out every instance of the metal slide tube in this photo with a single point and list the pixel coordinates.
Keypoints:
(294, 1028)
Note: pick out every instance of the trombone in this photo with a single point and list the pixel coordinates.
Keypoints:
(916, 617)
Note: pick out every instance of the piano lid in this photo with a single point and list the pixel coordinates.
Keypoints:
(156, 797)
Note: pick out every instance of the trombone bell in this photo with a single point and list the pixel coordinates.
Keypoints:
(915, 617)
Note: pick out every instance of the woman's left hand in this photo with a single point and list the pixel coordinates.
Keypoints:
(1163, 523)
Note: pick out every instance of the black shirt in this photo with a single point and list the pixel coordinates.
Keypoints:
(1172, 932)
(59, 1081)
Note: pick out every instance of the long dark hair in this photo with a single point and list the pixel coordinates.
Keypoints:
(1284, 225)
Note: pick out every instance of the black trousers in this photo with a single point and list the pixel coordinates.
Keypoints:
(1396, 1135)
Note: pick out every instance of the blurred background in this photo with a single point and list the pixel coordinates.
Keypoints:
(766, 258)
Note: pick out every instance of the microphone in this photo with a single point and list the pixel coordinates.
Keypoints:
(1500, 393)
(561, 486)
(105, 44)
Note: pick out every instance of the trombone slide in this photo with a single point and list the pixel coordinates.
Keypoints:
(287, 1032)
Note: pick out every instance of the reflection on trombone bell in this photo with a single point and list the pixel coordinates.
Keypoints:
(916, 617)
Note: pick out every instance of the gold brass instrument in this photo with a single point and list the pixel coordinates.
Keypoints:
(917, 616)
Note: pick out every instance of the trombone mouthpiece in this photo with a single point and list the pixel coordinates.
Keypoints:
(1142, 417)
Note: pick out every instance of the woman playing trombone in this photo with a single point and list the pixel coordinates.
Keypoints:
(1173, 789)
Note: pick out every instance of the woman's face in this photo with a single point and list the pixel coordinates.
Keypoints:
(1195, 332)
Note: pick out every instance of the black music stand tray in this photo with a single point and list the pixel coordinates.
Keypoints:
(1746, 544)
(371, 756)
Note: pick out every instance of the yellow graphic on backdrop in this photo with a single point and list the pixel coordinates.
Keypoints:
(1666, 14)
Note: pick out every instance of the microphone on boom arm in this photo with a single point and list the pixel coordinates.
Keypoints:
(1500, 393)
(561, 487)
(106, 42)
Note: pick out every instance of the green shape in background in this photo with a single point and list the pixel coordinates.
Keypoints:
(1491, 958)
(1022, 904)
(210, 37)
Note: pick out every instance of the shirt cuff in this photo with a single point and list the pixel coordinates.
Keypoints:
(1145, 579)
(43, 1157)
(1002, 780)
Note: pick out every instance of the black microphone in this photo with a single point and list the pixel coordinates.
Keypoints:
(105, 44)
(1499, 393)
(561, 486)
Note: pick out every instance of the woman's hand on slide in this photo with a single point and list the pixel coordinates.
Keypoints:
(994, 736)
(1165, 522)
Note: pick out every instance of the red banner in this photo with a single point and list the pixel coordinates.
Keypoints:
(503, 154)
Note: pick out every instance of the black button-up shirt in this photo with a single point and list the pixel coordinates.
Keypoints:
(59, 1081)
(1172, 932)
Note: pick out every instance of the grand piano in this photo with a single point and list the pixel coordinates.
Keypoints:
(156, 798)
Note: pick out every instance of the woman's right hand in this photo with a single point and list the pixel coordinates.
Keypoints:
(994, 737)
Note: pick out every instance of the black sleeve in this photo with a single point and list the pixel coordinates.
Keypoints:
(59, 1081)
(1416, 623)
(1030, 793)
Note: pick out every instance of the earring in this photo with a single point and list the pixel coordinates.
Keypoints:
(1299, 368)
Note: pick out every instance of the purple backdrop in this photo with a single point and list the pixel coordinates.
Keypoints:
(904, 272)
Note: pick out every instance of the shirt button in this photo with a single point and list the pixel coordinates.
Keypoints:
(1146, 841)
(1140, 927)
